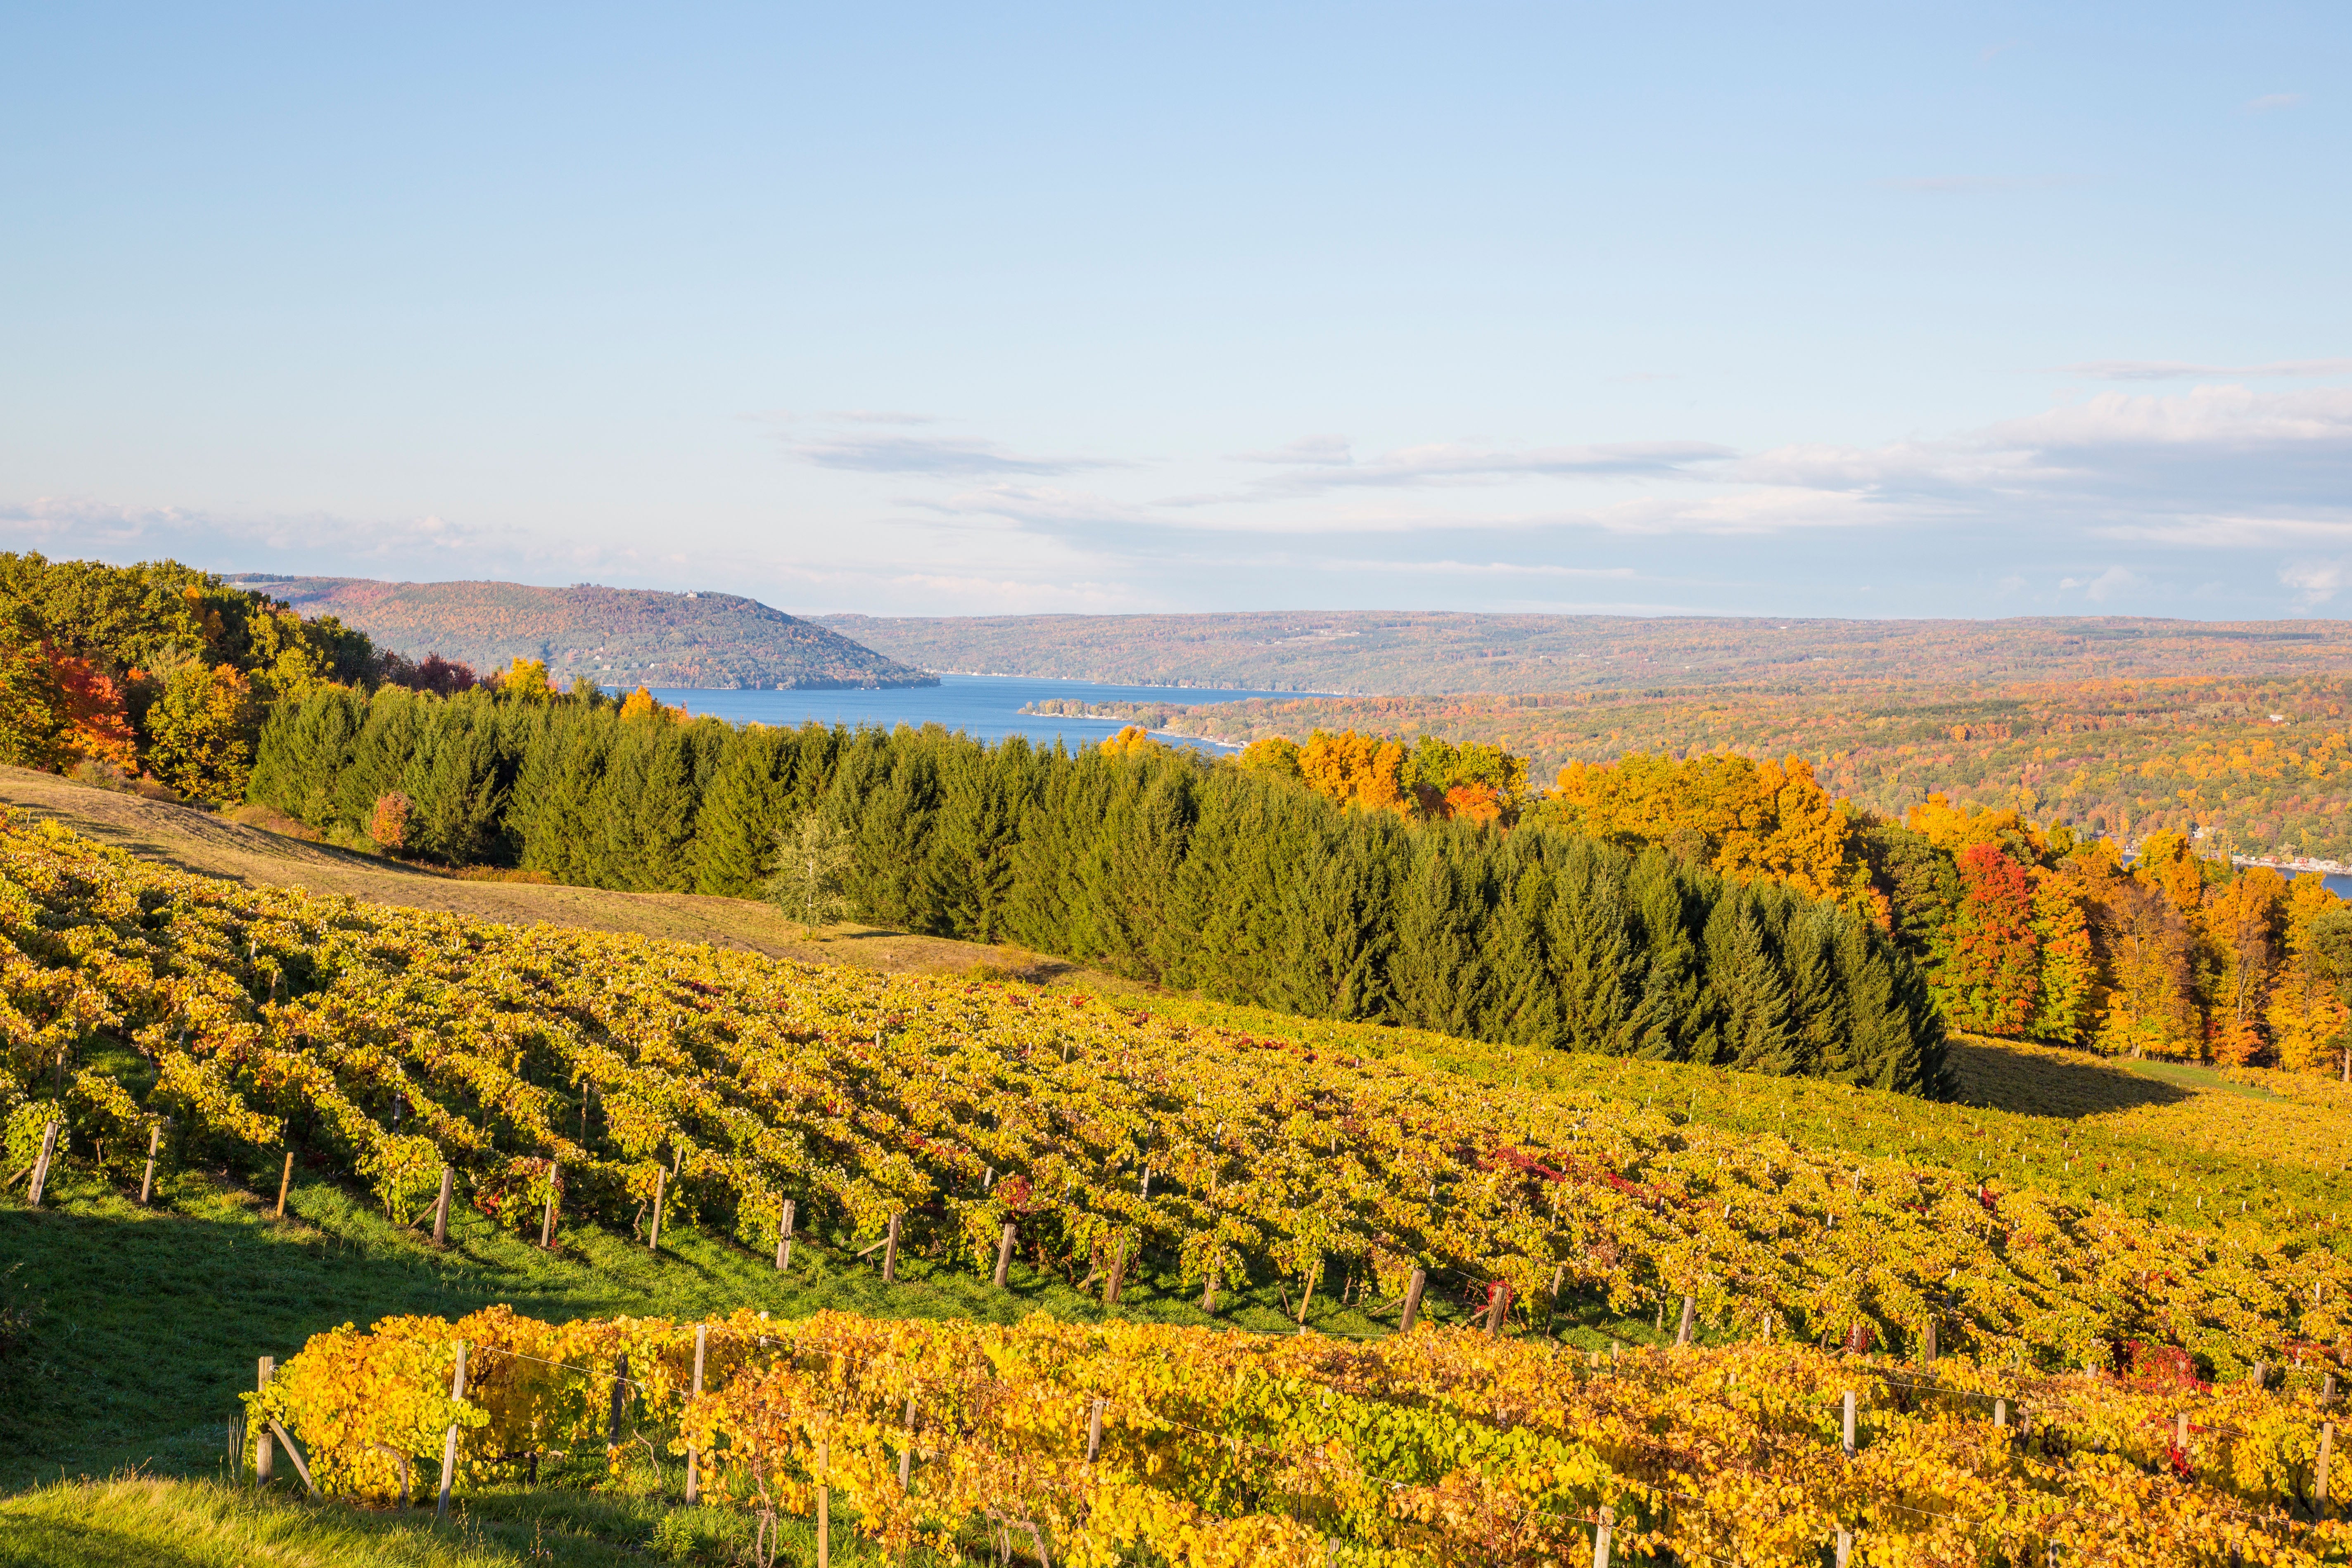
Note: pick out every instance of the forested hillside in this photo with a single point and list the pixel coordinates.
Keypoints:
(2260, 766)
(614, 637)
(158, 671)
(1149, 862)
(1405, 654)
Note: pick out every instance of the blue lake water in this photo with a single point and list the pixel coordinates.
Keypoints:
(986, 706)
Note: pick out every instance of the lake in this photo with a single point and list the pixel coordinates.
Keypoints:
(986, 706)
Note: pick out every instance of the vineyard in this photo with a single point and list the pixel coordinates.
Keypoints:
(631, 1084)
(1098, 1446)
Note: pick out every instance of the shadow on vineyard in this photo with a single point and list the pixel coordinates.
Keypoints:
(2050, 1084)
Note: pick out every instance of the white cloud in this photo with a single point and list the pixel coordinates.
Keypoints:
(2315, 582)
(2184, 369)
(2107, 585)
(2268, 101)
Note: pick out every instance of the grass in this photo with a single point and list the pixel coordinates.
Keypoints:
(141, 1326)
(146, 1521)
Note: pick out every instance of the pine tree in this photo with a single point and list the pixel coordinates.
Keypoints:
(1751, 995)
(1437, 973)
(1595, 962)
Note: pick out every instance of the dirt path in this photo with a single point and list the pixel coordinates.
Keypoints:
(212, 845)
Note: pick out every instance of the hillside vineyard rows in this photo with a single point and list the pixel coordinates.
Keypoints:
(1094, 1445)
(1121, 1148)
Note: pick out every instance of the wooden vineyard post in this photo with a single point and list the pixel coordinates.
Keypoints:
(1094, 1430)
(693, 1469)
(1004, 1255)
(1413, 1287)
(620, 1393)
(1601, 1536)
(2001, 1415)
(441, 1207)
(653, 1236)
(1844, 1546)
(1306, 1296)
(1117, 1272)
(2180, 1437)
(824, 1508)
(449, 1438)
(147, 1183)
(784, 1237)
(907, 1448)
(890, 1254)
(2319, 1469)
(547, 1221)
(261, 1455)
(1927, 1344)
(1849, 1423)
(285, 1182)
(41, 1165)
(2261, 1376)
(1498, 1303)
(1662, 1311)
(1690, 1311)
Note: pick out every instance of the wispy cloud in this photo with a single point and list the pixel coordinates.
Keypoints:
(2115, 581)
(1326, 463)
(2268, 101)
(2315, 582)
(947, 457)
(2190, 369)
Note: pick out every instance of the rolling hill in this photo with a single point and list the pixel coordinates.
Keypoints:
(1430, 654)
(616, 636)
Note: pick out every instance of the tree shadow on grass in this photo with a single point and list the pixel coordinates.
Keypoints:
(2048, 1083)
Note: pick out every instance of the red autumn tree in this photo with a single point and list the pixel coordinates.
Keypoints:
(1989, 977)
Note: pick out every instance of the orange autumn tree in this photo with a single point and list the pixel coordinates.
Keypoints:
(98, 729)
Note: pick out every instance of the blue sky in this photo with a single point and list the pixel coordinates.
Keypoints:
(1840, 310)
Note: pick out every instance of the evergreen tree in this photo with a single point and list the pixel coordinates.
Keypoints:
(1750, 992)
(1596, 961)
(1437, 973)
(749, 803)
(1672, 1015)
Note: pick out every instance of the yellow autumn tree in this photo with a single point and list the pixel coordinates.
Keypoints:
(2306, 1014)
(1365, 772)
(2067, 995)
(2244, 923)
(1729, 812)
(1130, 739)
(526, 679)
(1276, 755)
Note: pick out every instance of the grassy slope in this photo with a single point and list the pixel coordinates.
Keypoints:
(210, 846)
(128, 1522)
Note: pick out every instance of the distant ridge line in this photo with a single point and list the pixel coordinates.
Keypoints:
(614, 637)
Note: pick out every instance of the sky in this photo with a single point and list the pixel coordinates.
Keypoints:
(1840, 310)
